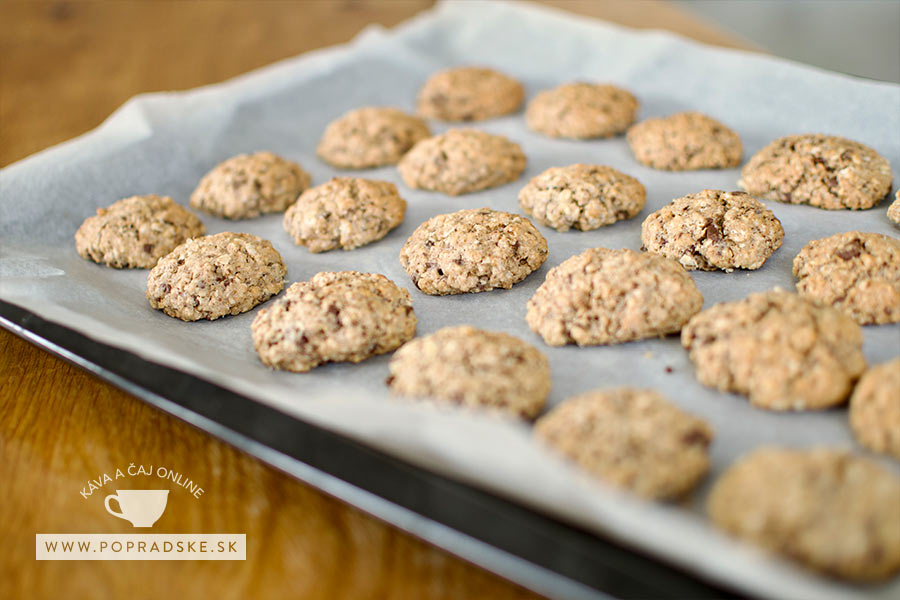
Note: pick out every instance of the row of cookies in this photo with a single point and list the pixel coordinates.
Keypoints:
(855, 271)
(827, 172)
(477, 250)
(824, 171)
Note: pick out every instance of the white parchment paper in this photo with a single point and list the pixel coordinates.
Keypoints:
(164, 143)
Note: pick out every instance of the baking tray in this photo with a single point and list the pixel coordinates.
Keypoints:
(163, 143)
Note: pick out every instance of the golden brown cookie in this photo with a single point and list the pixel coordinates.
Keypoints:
(249, 185)
(781, 350)
(346, 212)
(875, 408)
(343, 316)
(215, 275)
(134, 233)
(631, 438)
(825, 171)
(713, 230)
(472, 368)
(581, 111)
(469, 94)
(856, 273)
(827, 509)
(371, 136)
(604, 296)
(684, 142)
(893, 211)
(462, 161)
(582, 196)
(472, 250)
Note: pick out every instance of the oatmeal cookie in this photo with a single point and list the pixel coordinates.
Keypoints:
(469, 94)
(134, 233)
(856, 273)
(472, 251)
(893, 211)
(684, 142)
(827, 509)
(875, 408)
(781, 350)
(249, 185)
(582, 196)
(604, 296)
(824, 171)
(473, 368)
(462, 161)
(631, 438)
(343, 316)
(582, 111)
(713, 230)
(370, 137)
(215, 275)
(346, 212)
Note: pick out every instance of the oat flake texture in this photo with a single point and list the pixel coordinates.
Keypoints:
(250, 185)
(781, 350)
(216, 275)
(685, 142)
(582, 197)
(604, 296)
(713, 230)
(472, 250)
(462, 161)
(824, 171)
(346, 212)
(134, 233)
(857, 273)
(343, 316)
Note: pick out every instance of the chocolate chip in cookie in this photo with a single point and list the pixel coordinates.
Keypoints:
(824, 171)
(713, 230)
(473, 250)
(857, 273)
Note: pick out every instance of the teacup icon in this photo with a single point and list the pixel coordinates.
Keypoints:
(142, 508)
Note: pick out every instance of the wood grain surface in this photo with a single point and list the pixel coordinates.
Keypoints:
(64, 67)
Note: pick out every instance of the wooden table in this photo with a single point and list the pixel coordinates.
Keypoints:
(64, 66)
